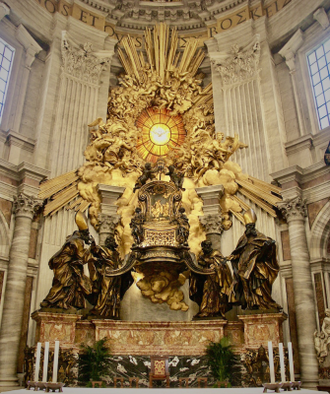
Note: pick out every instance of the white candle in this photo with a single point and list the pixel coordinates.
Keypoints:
(46, 355)
(37, 367)
(281, 350)
(55, 363)
(291, 361)
(271, 362)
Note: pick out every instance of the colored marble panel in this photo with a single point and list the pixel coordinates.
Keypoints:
(313, 210)
(319, 297)
(25, 323)
(292, 322)
(285, 245)
(6, 208)
(2, 276)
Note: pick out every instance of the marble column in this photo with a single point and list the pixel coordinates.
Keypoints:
(24, 209)
(212, 221)
(108, 217)
(295, 212)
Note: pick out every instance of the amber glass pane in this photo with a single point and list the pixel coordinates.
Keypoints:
(160, 133)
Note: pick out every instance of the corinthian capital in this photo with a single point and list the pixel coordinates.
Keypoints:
(108, 223)
(293, 209)
(82, 63)
(25, 205)
(241, 65)
(212, 224)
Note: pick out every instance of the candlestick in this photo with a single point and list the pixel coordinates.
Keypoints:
(281, 351)
(271, 362)
(292, 378)
(37, 367)
(55, 363)
(46, 355)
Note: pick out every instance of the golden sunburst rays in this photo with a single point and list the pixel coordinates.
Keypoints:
(61, 192)
(160, 133)
(162, 96)
(163, 56)
(263, 194)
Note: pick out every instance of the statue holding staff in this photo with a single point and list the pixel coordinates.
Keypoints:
(70, 285)
(255, 267)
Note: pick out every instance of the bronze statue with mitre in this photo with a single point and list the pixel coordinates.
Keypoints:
(255, 267)
(70, 285)
(211, 292)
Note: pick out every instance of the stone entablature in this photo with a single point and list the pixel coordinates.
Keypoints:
(204, 18)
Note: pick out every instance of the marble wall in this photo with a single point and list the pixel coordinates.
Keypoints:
(269, 104)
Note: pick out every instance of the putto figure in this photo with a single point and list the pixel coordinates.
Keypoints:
(255, 267)
(70, 285)
(148, 173)
(212, 292)
(176, 177)
(136, 226)
(183, 226)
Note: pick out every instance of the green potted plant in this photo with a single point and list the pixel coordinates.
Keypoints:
(221, 360)
(93, 362)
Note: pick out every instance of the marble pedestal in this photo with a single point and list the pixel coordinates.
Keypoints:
(53, 327)
(159, 338)
(261, 328)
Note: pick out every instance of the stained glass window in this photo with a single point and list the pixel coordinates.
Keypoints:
(6, 61)
(160, 133)
(319, 70)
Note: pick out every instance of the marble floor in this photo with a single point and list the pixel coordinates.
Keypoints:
(249, 390)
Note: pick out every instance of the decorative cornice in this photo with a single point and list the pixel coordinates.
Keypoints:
(24, 178)
(8, 169)
(26, 206)
(16, 139)
(30, 45)
(321, 16)
(241, 65)
(293, 209)
(4, 10)
(299, 144)
(288, 52)
(7, 191)
(211, 196)
(300, 175)
(110, 191)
